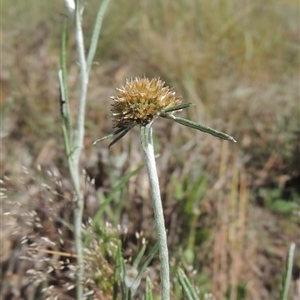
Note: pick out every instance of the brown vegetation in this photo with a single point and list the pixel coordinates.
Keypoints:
(231, 210)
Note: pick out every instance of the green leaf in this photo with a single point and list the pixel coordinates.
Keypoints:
(187, 288)
(288, 273)
(178, 188)
(139, 257)
(96, 33)
(149, 258)
(122, 131)
(284, 207)
(119, 270)
(145, 265)
(64, 99)
(177, 107)
(115, 190)
(148, 292)
(120, 136)
(200, 127)
(196, 192)
(63, 65)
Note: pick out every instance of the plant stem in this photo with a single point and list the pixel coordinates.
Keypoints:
(96, 33)
(77, 148)
(147, 144)
(78, 145)
(73, 150)
(74, 144)
(288, 273)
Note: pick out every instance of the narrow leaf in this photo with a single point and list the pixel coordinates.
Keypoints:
(110, 197)
(178, 107)
(96, 33)
(149, 258)
(139, 257)
(66, 134)
(148, 292)
(200, 127)
(122, 132)
(103, 138)
(117, 272)
(64, 98)
(63, 63)
(119, 136)
(145, 265)
(186, 286)
(288, 273)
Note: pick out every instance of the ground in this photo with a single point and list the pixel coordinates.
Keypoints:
(231, 210)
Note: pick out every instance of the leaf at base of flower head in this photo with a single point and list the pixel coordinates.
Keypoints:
(200, 127)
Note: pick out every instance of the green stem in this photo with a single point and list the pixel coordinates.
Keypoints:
(288, 273)
(96, 33)
(147, 145)
(74, 144)
(73, 162)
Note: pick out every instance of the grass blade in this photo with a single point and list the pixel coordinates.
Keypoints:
(148, 292)
(139, 257)
(186, 286)
(117, 272)
(110, 197)
(149, 258)
(288, 273)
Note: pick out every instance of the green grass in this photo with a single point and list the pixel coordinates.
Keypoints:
(238, 61)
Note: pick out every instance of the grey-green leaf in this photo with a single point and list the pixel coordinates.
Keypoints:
(200, 127)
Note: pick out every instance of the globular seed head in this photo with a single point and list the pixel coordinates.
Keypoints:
(140, 101)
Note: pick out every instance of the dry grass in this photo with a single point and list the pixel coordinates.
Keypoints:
(238, 61)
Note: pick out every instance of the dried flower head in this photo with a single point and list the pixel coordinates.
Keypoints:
(140, 101)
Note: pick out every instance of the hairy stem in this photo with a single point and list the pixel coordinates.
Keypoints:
(77, 148)
(147, 144)
(74, 143)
